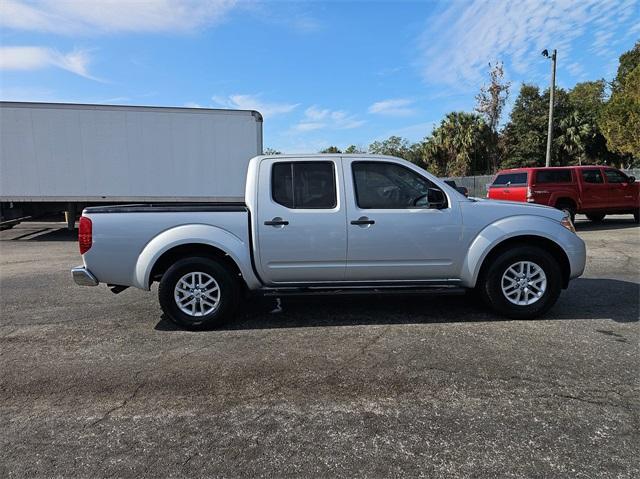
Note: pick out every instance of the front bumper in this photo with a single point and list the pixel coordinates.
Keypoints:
(83, 276)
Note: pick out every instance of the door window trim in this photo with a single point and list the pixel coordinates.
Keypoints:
(292, 162)
(355, 186)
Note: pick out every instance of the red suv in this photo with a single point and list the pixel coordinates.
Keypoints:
(593, 190)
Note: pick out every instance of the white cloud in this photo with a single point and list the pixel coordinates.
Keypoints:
(318, 119)
(466, 36)
(35, 58)
(393, 107)
(91, 16)
(253, 102)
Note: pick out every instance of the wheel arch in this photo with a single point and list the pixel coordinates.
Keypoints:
(529, 240)
(528, 230)
(193, 240)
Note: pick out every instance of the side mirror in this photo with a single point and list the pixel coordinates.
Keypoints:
(632, 179)
(434, 199)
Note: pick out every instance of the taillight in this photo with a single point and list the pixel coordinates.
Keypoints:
(85, 234)
(530, 198)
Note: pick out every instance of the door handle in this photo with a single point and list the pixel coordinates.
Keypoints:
(277, 221)
(363, 221)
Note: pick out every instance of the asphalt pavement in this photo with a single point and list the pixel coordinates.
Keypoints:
(94, 384)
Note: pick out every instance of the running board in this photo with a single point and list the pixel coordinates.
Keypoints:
(354, 290)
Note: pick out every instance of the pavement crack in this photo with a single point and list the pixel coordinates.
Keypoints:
(124, 402)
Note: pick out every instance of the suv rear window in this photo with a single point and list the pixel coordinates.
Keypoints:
(505, 179)
(553, 176)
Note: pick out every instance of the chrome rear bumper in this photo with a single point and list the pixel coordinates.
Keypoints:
(83, 276)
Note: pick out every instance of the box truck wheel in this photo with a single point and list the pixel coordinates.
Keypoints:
(522, 282)
(198, 293)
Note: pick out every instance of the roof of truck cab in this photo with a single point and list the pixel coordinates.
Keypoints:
(333, 155)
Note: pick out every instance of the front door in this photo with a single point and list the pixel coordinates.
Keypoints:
(300, 224)
(595, 193)
(622, 193)
(390, 236)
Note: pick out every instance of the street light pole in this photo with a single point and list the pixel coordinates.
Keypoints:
(551, 95)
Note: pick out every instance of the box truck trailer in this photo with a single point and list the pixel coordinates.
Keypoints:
(62, 157)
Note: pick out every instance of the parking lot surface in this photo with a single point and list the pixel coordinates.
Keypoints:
(94, 384)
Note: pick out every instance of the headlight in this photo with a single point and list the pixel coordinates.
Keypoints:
(566, 222)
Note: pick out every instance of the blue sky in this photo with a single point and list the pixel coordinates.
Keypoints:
(322, 73)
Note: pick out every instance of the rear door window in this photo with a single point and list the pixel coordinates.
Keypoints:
(510, 179)
(592, 176)
(304, 185)
(553, 176)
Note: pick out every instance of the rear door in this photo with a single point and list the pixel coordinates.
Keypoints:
(595, 193)
(509, 186)
(622, 194)
(300, 227)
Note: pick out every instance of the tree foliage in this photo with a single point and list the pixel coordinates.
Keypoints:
(399, 147)
(331, 149)
(459, 146)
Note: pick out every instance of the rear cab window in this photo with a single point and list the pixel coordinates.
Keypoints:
(553, 176)
(510, 179)
(304, 184)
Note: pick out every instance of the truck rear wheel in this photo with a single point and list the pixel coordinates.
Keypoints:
(522, 282)
(198, 293)
(596, 217)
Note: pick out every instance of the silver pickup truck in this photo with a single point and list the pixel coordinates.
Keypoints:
(331, 222)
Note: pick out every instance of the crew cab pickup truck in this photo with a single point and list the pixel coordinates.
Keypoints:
(593, 190)
(331, 222)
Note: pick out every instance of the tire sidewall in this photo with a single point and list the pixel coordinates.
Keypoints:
(229, 292)
(492, 282)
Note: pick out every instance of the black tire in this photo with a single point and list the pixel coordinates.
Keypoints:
(596, 217)
(568, 208)
(229, 293)
(490, 288)
(636, 216)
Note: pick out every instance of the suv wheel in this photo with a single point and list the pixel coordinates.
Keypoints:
(596, 217)
(522, 282)
(198, 293)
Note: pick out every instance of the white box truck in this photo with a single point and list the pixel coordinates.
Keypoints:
(62, 157)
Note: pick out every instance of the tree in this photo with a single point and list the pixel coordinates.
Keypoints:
(627, 63)
(490, 103)
(620, 119)
(525, 135)
(399, 147)
(353, 149)
(331, 149)
(459, 146)
(271, 151)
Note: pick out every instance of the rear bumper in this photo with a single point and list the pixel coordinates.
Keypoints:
(83, 276)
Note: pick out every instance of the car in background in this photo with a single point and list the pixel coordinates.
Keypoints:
(594, 190)
(461, 189)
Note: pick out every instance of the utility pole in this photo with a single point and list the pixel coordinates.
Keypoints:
(552, 91)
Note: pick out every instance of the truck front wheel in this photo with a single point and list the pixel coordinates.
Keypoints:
(522, 282)
(198, 293)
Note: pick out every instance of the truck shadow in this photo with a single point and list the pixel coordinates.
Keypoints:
(586, 298)
(606, 224)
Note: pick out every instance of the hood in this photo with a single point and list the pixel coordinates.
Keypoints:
(502, 209)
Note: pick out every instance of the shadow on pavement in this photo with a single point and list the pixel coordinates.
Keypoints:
(606, 224)
(585, 299)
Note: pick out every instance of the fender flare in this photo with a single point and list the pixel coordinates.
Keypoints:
(236, 248)
(507, 228)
